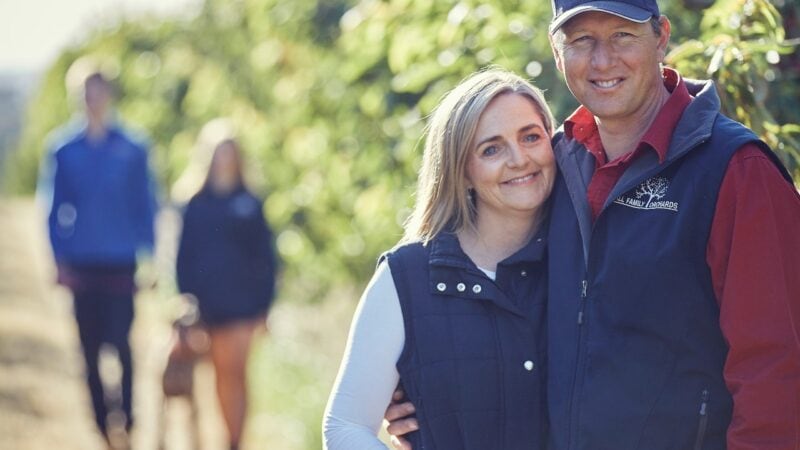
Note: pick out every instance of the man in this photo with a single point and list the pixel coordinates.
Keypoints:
(98, 193)
(674, 300)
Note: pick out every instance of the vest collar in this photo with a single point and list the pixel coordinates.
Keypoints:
(446, 251)
(576, 166)
(453, 274)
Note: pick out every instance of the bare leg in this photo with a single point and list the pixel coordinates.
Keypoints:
(230, 346)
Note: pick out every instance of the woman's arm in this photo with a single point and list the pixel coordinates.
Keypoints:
(368, 375)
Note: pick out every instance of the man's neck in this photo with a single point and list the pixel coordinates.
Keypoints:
(96, 127)
(620, 137)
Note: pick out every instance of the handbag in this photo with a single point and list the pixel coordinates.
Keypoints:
(189, 343)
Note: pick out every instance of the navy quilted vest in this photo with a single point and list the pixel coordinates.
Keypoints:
(474, 357)
(636, 353)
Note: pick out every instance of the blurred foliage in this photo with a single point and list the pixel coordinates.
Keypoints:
(331, 96)
(740, 46)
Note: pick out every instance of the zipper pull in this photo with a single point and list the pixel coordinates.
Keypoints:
(584, 285)
(703, 422)
(704, 396)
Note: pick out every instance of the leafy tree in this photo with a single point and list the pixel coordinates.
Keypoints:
(331, 98)
(740, 46)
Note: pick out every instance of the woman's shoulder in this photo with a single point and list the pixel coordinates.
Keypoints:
(405, 249)
(198, 198)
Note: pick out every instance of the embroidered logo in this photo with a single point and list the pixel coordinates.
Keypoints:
(649, 195)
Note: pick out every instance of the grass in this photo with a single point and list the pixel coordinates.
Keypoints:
(292, 370)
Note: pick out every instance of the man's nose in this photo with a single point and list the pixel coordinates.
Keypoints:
(603, 55)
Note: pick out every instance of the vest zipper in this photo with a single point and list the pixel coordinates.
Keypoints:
(572, 431)
(703, 422)
(584, 285)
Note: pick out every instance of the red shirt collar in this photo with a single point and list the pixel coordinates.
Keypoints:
(581, 126)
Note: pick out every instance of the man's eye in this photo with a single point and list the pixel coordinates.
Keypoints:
(581, 40)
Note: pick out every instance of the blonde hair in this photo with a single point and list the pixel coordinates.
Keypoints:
(195, 177)
(442, 200)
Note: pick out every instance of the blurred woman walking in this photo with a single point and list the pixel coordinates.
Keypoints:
(226, 261)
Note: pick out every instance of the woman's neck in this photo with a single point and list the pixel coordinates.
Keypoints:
(223, 185)
(496, 238)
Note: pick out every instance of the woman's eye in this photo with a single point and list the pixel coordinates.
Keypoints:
(531, 137)
(489, 150)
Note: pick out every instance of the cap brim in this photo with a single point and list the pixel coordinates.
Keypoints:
(623, 10)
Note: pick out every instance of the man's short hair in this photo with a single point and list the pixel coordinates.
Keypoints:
(82, 70)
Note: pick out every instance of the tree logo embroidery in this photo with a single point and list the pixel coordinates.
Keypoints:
(649, 195)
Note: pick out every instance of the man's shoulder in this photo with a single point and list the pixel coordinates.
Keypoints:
(134, 138)
(558, 135)
(65, 136)
(560, 141)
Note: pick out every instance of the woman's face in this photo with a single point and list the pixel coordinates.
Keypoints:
(511, 166)
(225, 164)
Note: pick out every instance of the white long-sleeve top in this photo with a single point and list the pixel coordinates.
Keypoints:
(368, 374)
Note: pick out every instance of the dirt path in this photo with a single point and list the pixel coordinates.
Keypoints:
(43, 400)
(41, 390)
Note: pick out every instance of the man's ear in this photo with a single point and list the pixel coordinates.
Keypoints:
(554, 47)
(663, 40)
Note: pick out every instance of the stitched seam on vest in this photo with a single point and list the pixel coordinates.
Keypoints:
(456, 367)
(501, 376)
(399, 275)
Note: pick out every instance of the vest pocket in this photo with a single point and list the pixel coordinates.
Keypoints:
(703, 420)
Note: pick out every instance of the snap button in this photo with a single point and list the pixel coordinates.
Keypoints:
(524, 273)
(441, 287)
(461, 287)
(539, 240)
(528, 365)
(476, 289)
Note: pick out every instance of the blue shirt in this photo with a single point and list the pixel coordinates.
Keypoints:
(100, 198)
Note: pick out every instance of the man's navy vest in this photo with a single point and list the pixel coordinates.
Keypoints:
(635, 350)
(473, 361)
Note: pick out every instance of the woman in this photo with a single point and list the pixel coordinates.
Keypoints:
(455, 313)
(225, 260)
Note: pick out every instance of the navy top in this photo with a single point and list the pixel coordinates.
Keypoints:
(225, 257)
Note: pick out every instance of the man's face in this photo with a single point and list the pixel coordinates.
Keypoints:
(97, 95)
(611, 65)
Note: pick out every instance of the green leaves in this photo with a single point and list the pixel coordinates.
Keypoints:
(330, 99)
(739, 48)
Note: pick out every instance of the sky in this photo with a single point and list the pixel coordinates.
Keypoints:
(33, 32)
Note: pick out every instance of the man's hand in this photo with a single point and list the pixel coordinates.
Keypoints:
(396, 420)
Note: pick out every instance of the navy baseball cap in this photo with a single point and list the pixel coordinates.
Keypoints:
(634, 10)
